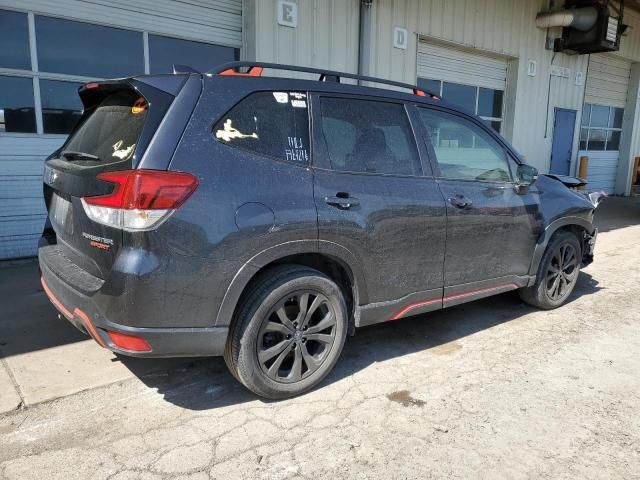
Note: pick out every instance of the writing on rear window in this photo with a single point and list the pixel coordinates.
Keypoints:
(273, 124)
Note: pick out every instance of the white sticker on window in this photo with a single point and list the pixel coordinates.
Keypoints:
(122, 153)
(281, 97)
(229, 132)
(298, 104)
(298, 95)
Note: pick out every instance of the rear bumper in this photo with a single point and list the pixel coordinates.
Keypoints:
(83, 313)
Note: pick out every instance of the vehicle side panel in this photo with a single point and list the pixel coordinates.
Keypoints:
(245, 204)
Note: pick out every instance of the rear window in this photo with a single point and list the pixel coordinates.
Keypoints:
(273, 124)
(368, 136)
(112, 130)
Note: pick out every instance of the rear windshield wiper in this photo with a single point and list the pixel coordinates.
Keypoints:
(71, 155)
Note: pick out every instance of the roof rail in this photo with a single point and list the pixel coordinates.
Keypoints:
(255, 69)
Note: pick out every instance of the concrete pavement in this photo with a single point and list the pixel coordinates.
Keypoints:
(487, 389)
(45, 357)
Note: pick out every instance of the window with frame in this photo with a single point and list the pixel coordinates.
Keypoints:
(601, 127)
(368, 136)
(487, 103)
(464, 150)
(70, 53)
(273, 124)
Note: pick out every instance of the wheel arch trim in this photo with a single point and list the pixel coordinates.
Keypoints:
(274, 253)
(548, 232)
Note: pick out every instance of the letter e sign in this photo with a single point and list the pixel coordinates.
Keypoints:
(400, 38)
(287, 13)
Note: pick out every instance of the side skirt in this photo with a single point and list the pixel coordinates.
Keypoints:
(429, 300)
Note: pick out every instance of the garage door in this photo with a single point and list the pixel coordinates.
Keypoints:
(475, 82)
(605, 98)
(75, 41)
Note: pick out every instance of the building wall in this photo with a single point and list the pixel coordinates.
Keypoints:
(327, 37)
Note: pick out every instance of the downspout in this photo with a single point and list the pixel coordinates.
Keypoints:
(364, 38)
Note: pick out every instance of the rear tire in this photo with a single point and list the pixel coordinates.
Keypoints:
(557, 274)
(288, 332)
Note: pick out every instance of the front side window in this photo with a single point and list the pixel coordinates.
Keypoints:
(463, 150)
(368, 136)
(601, 127)
(273, 124)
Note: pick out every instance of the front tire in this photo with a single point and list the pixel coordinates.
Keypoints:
(557, 274)
(288, 333)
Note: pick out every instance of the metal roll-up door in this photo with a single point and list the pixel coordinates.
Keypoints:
(459, 66)
(470, 80)
(604, 102)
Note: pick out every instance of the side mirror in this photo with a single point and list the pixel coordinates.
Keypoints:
(526, 175)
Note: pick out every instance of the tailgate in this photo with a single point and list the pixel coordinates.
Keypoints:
(118, 122)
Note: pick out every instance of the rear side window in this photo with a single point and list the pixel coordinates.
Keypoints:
(464, 150)
(368, 136)
(273, 124)
(112, 130)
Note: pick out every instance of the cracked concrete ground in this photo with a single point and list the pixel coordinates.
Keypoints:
(491, 389)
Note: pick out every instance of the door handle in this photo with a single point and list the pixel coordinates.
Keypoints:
(460, 201)
(342, 201)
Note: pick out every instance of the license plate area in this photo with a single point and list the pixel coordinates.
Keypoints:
(61, 213)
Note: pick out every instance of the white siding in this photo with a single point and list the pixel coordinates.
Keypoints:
(22, 211)
(213, 21)
(326, 36)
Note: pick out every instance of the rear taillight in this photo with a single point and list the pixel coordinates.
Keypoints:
(141, 199)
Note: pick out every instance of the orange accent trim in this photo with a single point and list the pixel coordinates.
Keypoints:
(253, 72)
(83, 316)
(76, 312)
(401, 313)
(482, 290)
(57, 303)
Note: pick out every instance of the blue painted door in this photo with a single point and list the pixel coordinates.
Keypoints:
(561, 150)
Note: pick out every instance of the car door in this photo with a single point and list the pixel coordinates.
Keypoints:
(492, 226)
(374, 200)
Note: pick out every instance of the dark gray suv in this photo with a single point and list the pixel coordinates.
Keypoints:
(264, 219)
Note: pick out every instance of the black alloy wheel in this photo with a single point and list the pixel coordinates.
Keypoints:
(296, 336)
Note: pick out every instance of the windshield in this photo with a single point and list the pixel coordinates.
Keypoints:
(111, 131)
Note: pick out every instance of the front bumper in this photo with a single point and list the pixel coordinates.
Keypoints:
(83, 313)
(588, 247)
